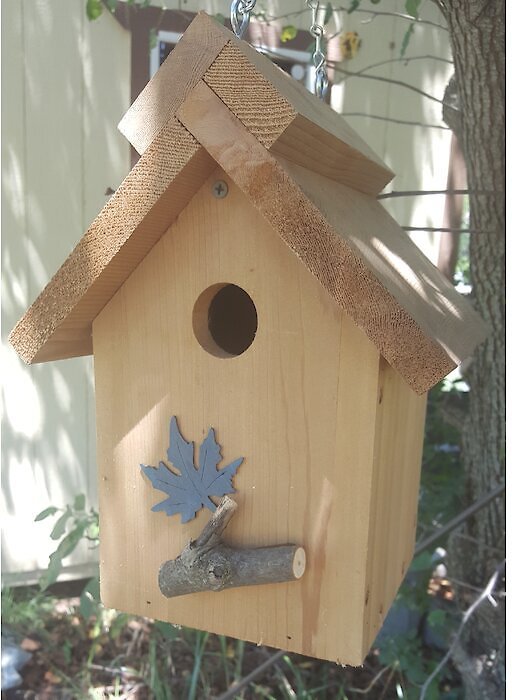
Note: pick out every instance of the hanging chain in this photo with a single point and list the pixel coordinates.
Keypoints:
(240, 15)
(317, 32)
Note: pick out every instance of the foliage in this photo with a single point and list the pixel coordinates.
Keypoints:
(412, 7)
(94, 8)
(73, 525)
(441, 488)
(191, 489)
(406, 39)
(430, 599)
(288, 33)
(408, 652)
(24, 610)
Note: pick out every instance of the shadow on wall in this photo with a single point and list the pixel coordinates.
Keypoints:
(65, 86)
(418, 152)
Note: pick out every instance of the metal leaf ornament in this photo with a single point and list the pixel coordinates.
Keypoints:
(192, 488)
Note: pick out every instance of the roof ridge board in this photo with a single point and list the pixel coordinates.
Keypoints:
(305, 103)
(286, 118)
(166, 90)
(210, 51)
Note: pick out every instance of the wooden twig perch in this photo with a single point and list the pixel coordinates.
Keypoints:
(207, 564)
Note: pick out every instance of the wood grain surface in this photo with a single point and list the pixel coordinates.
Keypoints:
(420, 324)
(301, 406)
(270, 103)
(185, 65)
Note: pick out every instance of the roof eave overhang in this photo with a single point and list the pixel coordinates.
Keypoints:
(58, 325)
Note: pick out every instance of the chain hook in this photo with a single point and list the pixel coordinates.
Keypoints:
(241, 15)
(317, 32)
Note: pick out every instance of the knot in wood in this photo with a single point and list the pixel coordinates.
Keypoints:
(219, 571)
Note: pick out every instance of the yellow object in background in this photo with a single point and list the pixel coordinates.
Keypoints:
(350, 44)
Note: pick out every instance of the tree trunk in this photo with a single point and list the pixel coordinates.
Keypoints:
(477, 31)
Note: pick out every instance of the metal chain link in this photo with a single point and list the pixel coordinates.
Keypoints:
(240, 15)
(317, 32)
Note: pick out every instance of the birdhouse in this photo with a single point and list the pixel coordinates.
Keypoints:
(244, 288)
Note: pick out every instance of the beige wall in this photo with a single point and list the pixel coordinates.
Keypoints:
(65, 84)
(418, 155)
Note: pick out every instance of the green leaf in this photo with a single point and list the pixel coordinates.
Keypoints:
(60, 526)
(412, 7)
(69, 543)
(112, 4)
(219, 17)
(93, 9)
(167, 630)
(437, 618)
(328, 13)
(51, 510)
(67, 650)
(87, 606)
(52, 572)
(354, 4)
(374, 2)
(118, 624)
(423, 562)
(288, 33)
(93, 587)
(79, 502)
(93, 531)
(406, 40)
(90, 598)
(153, 38)
(433, 691)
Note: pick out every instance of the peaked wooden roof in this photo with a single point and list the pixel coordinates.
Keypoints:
(216, 101)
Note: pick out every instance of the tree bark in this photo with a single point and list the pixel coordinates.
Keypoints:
(207, 564)
(477, 31)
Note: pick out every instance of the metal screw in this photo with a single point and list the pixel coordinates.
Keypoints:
(220, 189)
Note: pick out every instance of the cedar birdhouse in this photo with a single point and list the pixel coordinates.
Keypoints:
(244, 276)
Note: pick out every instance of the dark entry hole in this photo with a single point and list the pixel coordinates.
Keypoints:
(226, 315)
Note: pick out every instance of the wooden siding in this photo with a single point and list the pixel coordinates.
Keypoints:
(65, 84)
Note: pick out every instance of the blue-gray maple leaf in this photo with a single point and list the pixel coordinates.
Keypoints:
(191, 489)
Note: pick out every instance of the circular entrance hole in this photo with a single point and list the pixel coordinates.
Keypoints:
(225, 320)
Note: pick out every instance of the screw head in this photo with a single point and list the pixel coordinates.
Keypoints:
(219, 189)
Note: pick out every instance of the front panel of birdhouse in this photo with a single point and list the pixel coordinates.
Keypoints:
(221, 326)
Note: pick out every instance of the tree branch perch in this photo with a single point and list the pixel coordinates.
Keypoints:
(207, 564)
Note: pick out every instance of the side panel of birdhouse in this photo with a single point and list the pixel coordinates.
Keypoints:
(299, 405)
(396, 475)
